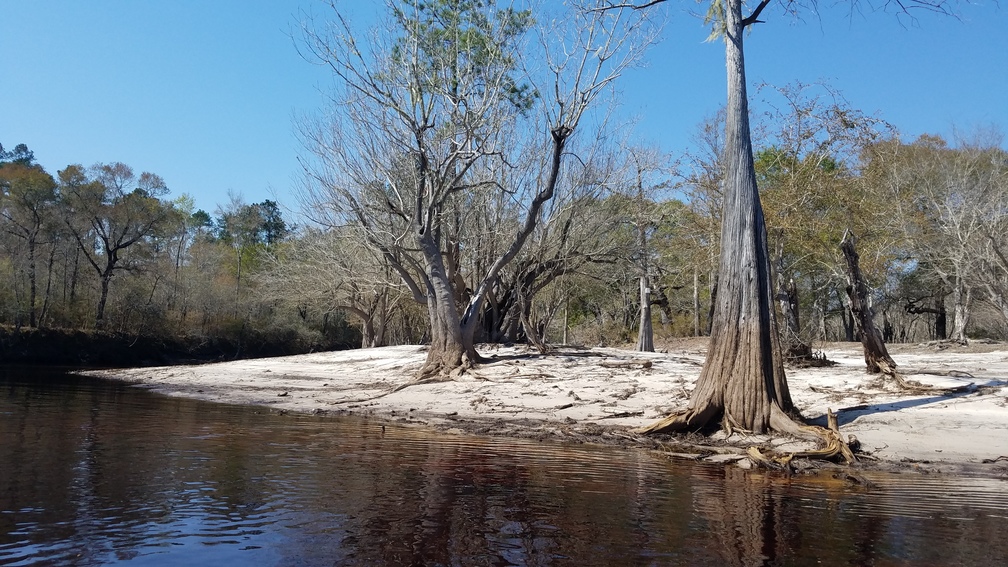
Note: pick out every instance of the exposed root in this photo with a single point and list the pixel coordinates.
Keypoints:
(915, 387)
(420, 381)
(833, 444)
(687, 420)
(437, 370)
(815, 359)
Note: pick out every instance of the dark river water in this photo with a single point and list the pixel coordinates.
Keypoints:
(93, 472)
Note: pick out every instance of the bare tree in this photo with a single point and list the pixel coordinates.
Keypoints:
(876, 354)
(330, 272)
(949, 197)
(434, 113)
(993, 268)
(646, 182)
(806, 170)
(742, 380)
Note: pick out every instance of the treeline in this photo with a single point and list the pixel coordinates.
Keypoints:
(102, 248)
(632, 231)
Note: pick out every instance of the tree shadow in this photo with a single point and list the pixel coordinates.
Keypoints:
(849, 414)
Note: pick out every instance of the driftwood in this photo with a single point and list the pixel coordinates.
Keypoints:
(627, 365)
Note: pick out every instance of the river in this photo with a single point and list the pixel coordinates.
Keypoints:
(95, 472)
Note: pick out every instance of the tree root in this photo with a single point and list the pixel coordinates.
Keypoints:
(915, 387)
(420, 381)
(833, 444)
(681, 421)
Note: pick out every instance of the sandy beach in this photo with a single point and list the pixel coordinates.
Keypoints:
(603, 394)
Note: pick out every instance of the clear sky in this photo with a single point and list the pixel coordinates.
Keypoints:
(205, 92)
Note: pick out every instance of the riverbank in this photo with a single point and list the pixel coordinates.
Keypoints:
(602, 394)
(105, 349)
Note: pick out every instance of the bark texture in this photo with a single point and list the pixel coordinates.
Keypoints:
(645, 334)
(742, 381)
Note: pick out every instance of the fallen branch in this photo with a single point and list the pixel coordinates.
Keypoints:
(627, 365)
(622, 414)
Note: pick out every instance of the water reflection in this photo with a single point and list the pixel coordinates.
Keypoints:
(95, 473)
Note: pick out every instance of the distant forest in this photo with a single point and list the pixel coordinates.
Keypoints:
(106, 250)
(102, 248)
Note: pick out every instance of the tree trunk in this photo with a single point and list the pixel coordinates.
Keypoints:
(941, 319)
(713, 302)
(368, 339)
(787, 295)
(847, 318)
(961, 299)
(447, 352)
(645, 334)
(75, 273)
(48, 290)
(742, 381)
(100, 312)
(876, 355)
(795, 346)
(696, 303)
(32, 288)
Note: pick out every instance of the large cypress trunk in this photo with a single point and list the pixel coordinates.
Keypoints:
(742, 380)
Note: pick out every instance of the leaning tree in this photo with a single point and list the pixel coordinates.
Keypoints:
(433, 116)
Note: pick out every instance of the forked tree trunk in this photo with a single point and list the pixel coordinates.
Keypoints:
(876, 355)
(447, 352)
(795, 347)
(742, 382)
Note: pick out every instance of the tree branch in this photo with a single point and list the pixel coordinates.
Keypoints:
(631, 5)
(753, 18)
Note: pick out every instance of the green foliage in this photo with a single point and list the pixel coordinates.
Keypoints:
(20, 155)
(247, 225)
(471, 39)
(715, 18)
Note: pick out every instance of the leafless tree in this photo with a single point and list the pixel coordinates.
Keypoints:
(329, 272)
(430, 118)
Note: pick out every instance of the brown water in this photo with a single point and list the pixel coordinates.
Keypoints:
(94, 472)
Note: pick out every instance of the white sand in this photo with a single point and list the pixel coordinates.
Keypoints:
(577, 392)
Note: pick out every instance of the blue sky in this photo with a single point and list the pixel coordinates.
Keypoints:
(205, 93)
